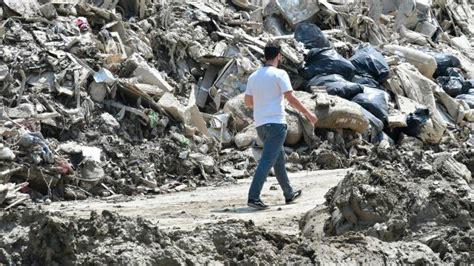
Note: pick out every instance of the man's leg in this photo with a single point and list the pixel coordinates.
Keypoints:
(273, 137)
(282, 175)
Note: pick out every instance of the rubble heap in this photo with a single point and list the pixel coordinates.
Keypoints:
(145, 96)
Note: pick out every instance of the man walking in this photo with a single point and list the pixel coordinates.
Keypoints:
(266, 89)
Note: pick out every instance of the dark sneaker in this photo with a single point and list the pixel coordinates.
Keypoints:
(257, 204)
(296, 195)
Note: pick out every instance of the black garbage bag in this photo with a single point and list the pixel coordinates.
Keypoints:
(326, 62)
(336, 85)
(374, 101)
(375, 123)
(416, 120)
(366, 81)
(453, 86)
(383, 136)
(468, 98)
(367, 60)
(469, 84)
(311, 36)
(454, 72)
(444, 61)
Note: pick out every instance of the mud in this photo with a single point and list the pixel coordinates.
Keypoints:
(418, 196)
(107, 238)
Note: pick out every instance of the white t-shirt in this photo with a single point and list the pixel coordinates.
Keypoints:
(267, 86)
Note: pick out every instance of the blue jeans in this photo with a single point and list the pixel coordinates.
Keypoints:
(273, 137)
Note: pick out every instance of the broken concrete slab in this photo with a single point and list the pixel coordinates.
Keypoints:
(149, 75)
(170, 104)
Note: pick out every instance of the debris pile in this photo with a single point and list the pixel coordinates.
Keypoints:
(106, 97)
(401, 195)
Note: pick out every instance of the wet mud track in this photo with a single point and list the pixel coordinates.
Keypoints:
(186, 210)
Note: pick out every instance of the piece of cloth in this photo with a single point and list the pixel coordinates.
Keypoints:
(273, 155)
(267, 86)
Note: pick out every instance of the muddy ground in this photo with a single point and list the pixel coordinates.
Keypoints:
(36, 237)
(415, 210)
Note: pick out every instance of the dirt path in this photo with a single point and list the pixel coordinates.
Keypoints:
(186, 210)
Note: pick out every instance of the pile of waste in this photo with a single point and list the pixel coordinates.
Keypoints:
(132, 97)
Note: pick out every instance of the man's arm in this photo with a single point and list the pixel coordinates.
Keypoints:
(248, 101)
(313, 119)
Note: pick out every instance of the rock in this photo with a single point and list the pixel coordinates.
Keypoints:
(6, 153)
(450, 168)
(98, 91)
(294, 131)
(241, 115)
(246, 137)
(109, 122)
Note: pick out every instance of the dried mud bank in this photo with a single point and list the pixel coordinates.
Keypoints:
(399, 196)
(44, 238)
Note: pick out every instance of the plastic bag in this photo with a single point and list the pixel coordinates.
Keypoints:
(468, 98)
(366, 81)
(311, 36)
(469, 84)
(453, 86)
(326, 62)
(454, 72)
(336, 85)
(375, 123)
(445, 61)
(367, 60)
(374, 101)
(416, 120)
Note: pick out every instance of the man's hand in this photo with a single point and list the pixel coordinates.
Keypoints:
(312, 118)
